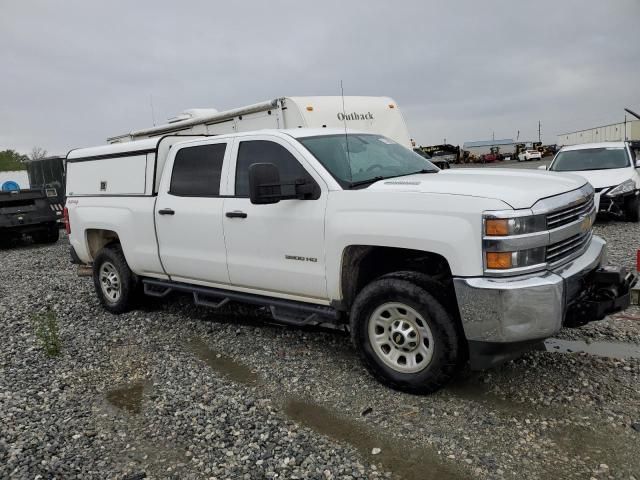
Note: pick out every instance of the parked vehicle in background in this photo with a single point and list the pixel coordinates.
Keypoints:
(440, 161)
(613, 170)
(441, 155)
(48, 174)
(492, 156)
(529, 155)
(27, 212)
(549, 150)
(427, 268)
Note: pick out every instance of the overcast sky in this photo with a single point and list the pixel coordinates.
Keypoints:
(75, 72)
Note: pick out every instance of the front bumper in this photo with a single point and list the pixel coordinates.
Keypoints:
(616, 205)
(516, 311)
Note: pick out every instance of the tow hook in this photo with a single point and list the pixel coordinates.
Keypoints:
(606, 290)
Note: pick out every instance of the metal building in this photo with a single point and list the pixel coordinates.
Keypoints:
(615, 132)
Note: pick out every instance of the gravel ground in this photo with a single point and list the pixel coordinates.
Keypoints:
(177, 391)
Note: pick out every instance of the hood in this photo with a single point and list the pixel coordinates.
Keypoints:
(605, 178)
(520, 188)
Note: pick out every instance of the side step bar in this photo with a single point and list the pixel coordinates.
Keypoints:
(284, 311)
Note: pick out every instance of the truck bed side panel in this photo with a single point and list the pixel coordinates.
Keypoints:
(130, 217)
(115, 176)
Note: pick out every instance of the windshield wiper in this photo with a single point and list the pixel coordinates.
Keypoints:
(364, 182)
(380, 177)
(424, 170)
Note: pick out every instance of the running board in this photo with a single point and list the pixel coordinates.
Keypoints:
(289, 312)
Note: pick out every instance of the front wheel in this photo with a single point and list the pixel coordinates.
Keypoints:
(116, 285)
(404, 336)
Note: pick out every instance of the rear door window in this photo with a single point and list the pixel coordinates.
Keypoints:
(196, 171)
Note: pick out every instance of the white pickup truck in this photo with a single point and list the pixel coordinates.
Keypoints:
(428, 269)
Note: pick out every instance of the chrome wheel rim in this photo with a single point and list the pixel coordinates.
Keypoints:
(110, 282)
(401, 337)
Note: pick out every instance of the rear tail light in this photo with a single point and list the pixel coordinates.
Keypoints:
(67, 223)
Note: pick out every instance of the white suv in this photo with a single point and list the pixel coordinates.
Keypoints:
(612, 169)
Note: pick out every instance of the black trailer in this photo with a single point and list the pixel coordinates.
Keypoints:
(27, 212)
(48, 174)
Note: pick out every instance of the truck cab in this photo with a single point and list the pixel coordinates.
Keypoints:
(427, 269)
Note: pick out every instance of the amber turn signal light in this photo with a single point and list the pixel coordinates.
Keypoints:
(496, 227)
(499, 260)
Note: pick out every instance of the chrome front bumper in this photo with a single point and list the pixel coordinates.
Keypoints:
(523, 308)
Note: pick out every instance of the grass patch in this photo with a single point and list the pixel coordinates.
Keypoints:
(48, 332)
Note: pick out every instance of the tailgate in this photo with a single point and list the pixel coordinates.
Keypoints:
(24, 208)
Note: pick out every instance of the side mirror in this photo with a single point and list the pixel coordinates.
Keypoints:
(542, 167)
(264, 183)
(638, 163)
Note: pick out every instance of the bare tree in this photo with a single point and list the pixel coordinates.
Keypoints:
(38, 153)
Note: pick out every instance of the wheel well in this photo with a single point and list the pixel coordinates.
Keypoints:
(98, 239)
(361, 264)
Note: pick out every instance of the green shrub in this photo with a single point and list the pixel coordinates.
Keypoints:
(11, 160)
(48, 332)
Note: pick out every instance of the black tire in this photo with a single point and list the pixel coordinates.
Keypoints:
(129, 288)
(48, 235)
(6, 239)
(632, 209)
(448, 352)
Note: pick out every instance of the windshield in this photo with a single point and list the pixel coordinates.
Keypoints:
(367, 158)
(590, 159)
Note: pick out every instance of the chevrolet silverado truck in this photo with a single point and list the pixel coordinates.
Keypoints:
(426, 269)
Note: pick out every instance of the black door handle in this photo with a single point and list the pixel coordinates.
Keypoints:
(236, 214)
(166, 211)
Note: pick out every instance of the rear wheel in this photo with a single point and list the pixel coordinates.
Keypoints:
(632, 209)
(117, 287)
(405, 337)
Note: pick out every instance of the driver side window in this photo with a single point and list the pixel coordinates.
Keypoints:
(263, 151)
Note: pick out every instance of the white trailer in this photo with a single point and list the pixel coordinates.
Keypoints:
(17, 177)
(366, 114)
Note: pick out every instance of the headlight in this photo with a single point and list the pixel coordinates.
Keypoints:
(512, 240)
(624, 187)
(517, 259)
(499, 227)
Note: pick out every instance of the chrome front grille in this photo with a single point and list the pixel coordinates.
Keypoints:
(570, 229)
(567, 248)
(570, 214)
(553, 232)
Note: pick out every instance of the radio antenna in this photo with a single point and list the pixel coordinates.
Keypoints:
(346, 137)
(153, 113)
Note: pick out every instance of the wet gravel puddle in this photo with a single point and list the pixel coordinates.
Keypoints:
(405, 461)
(601, 349)
(127, 397)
